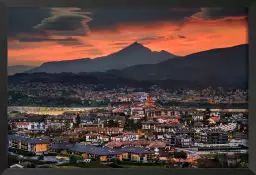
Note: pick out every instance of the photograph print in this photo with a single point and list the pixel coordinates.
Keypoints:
(127, 87)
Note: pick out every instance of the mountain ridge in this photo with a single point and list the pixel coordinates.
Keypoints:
(225, 64)
(134, 54)
(13, 69)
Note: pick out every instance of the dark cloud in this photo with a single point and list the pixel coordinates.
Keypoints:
(83, 44)
(78, 22)
(109, 19)
(22, 20)
(70, 42)
(119, 44)
(77, 32)
(63, 23)
(34, 20)
(180, 36)
(19, 46)
(218, 13)
(40, 37)
(150, 38)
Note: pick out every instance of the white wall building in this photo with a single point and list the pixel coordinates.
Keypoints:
(126, 137)
(36, 126)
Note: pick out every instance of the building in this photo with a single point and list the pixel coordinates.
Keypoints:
(89, 151)
(60, 122)
(34, 145)
(36, 126)
(106, 154)
(105, 130)
(126, 137)
(183, 141)
(198, 117)
(149, 125)
(214, 137)
(95, 138)
(138, 154)
(59, 146)
(136, 118)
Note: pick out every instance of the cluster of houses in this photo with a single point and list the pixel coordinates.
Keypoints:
(160, 131)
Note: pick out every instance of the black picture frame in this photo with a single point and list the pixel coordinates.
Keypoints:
(4, 4)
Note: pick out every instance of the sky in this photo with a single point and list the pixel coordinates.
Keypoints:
(38, 35)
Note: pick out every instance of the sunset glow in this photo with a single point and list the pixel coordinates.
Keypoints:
(180, 37)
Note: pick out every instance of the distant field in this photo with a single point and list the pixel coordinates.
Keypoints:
(48, 110)
(61, 110)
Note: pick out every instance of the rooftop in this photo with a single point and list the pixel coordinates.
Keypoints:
(28, 140)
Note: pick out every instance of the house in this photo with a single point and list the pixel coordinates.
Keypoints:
(21, 125)
(29, 122)
(159, 148)
(35, 145)
(138, 154)
(136, 118)
(141, 142)
(159, 136)
(106, 154)
(90, 151)
(164, 127)
(137, 111)
(100, 130)
(184, 141)
(36, 126)
(173, 113)
(214, 137)
(232, 159)
(59, 146)
(60, 122)
(22, 165)
(129, 136)
(198, 117)
(94, 138)
(149, 125)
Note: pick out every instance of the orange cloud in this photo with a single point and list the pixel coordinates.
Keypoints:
(193, 35)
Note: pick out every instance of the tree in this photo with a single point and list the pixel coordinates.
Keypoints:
(73, 160)
(207, 111)
(112, 123)
(138, 125)
(77, 121)
(66, 125)
(244, 157)
(180, 155)
(129, 124)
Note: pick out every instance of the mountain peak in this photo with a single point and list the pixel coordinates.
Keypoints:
(135, 46)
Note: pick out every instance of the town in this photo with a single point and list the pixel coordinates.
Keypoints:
(57, 94)
(57, 126)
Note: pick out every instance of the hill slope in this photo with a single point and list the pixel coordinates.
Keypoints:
(18, 69)
(221, 66)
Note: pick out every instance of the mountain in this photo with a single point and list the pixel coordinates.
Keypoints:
(227, 67)
(18, 69)
(134, 54)
(224, 66)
